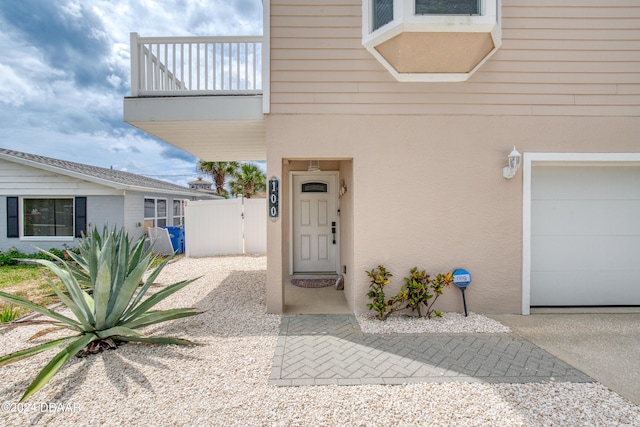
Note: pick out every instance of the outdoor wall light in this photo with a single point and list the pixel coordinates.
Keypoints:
(343, 188)
(510, 170)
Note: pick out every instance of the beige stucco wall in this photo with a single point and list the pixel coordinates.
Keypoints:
(428, 191)
(423, 161)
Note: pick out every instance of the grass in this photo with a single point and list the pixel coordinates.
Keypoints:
(27, 281)
(8, 313)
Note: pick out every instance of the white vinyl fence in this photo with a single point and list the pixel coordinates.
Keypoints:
(225, 227)
(255, 226)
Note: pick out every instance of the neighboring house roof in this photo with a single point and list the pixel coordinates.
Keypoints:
(202, 186)
(200, 181)
(108, 177)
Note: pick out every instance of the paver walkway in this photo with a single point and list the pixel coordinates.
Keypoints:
(331, 349)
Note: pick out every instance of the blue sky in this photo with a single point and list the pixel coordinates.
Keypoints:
(64, 71)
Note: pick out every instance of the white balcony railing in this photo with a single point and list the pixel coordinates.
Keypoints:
(184, 66)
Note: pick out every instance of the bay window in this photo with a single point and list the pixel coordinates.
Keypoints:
(431, 40)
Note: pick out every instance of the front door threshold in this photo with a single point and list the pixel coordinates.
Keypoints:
(329, 275)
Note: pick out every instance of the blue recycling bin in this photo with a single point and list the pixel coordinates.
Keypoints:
(176, 235)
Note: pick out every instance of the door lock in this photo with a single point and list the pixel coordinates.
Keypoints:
(333, 230)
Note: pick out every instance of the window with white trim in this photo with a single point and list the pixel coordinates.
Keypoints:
(47, 217)
(432, 40)
(155, 213)
(178, 212)
(382, 13)
(447, 7)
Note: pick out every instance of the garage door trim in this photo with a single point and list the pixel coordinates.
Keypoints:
(556, 159)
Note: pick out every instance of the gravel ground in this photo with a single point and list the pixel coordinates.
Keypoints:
(448, 323)
(224, 382)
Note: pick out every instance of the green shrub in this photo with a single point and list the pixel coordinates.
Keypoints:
(9, 257)
(13, 256)
(379, 279)
(114, 310)
(418, 291)
(437, 285)
(415, 291)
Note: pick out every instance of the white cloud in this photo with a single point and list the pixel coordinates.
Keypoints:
(62, 87)
(14, 89)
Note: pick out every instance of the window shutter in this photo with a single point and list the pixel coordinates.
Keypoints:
(80, 212)
(13, 229)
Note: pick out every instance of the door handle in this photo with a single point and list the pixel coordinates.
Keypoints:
(333, 230)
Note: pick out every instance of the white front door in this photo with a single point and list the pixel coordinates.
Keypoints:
(315, 226)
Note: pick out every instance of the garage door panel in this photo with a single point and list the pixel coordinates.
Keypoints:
(585, 182)
(585, 235)
(567, 253)
(587, 288)
(595, 217)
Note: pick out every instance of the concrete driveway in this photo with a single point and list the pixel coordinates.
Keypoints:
(605, 346)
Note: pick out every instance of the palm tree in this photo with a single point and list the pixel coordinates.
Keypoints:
(219, 171)
(248, 180)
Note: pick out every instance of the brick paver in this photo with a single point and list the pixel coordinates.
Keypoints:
(331, 349)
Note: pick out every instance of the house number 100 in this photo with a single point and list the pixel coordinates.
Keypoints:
(274, 188)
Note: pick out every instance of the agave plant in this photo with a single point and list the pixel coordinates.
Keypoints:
(105, 293)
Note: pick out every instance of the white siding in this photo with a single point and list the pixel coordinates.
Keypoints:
(134, 210)
(101, 211)
(105, 211)
(105, 205)
(20, 180)
(134, 214)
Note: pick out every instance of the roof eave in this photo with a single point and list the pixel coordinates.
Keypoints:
(90, 178)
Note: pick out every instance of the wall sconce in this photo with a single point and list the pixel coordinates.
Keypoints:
(314, 166)
(343, 188)
(514, 164)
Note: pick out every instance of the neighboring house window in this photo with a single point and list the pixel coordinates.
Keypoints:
(155, 213)
(47, 217)
(178, 211)
(39, 217)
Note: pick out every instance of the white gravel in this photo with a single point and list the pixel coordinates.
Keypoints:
(224, 382)
(448, 323)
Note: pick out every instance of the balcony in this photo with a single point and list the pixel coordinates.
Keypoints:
(203, 95)
(431, 40)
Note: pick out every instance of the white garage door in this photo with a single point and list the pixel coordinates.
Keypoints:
(585, 235)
